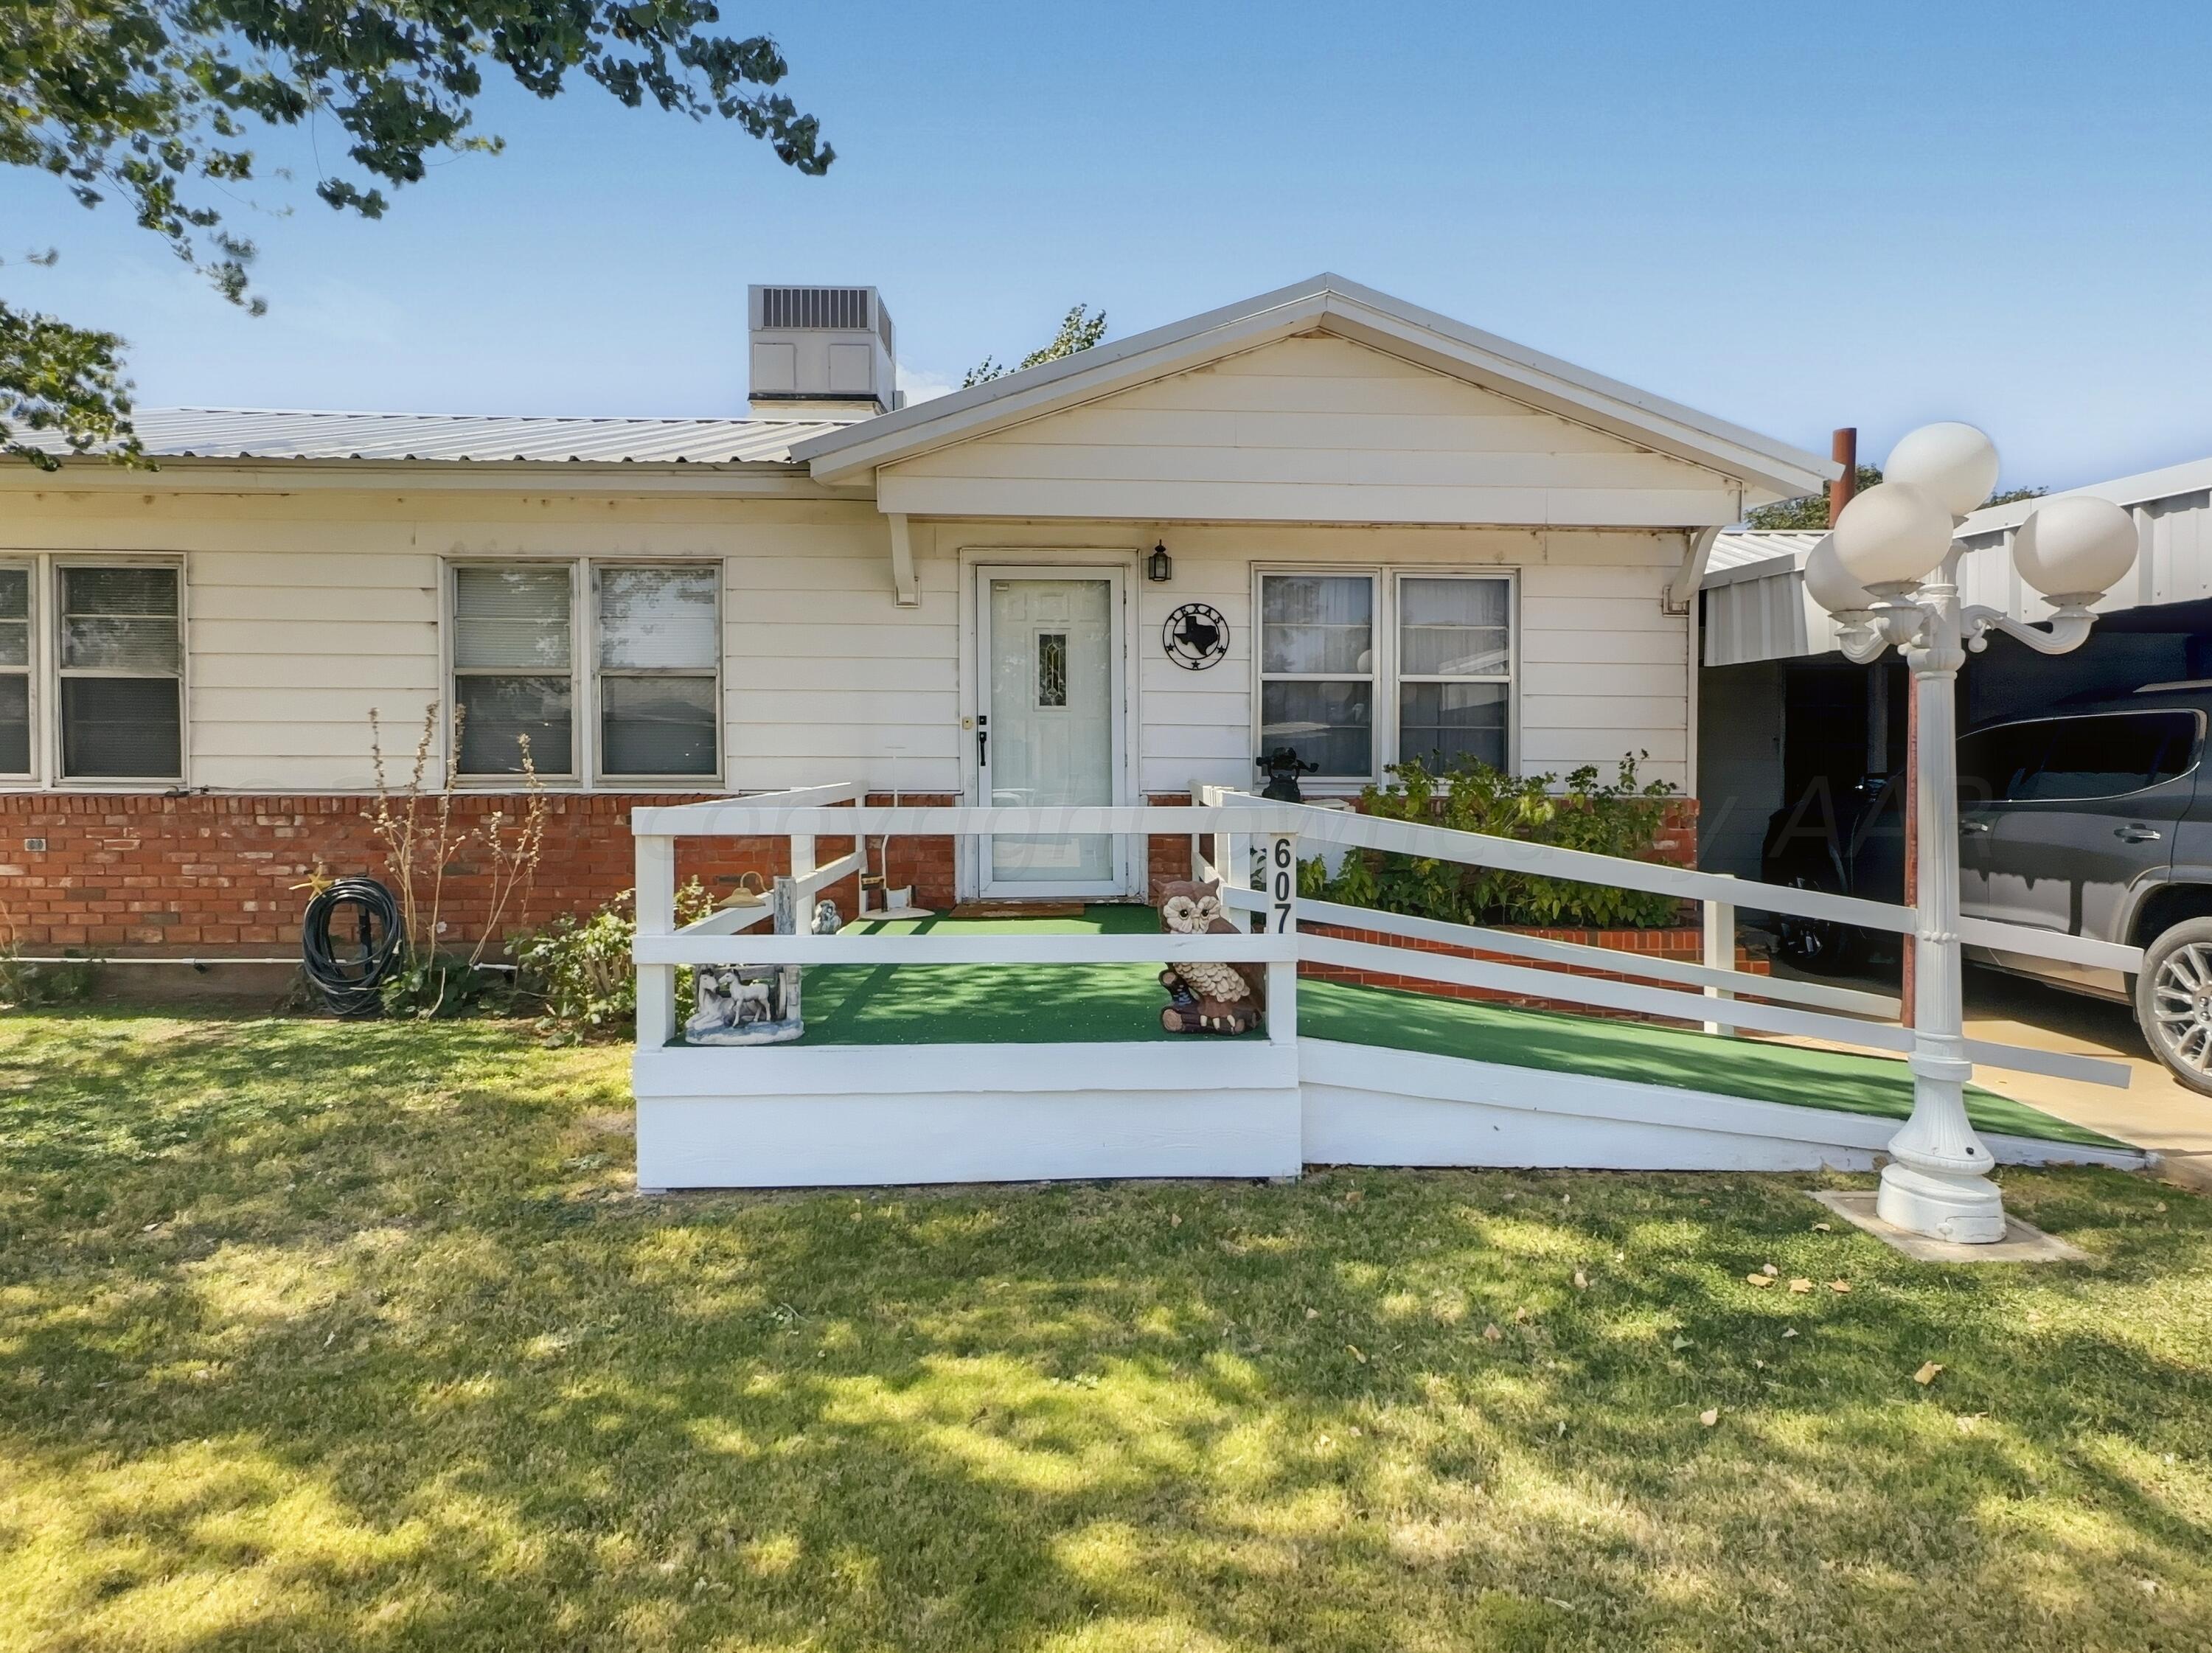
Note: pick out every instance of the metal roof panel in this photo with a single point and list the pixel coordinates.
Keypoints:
(297, 435)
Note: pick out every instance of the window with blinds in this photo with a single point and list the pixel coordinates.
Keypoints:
(120, 672)
(14, 671)
(513, 668)
(658, 651)
(1454, 670)
(1317, 676)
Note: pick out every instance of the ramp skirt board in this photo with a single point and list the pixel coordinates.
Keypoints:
(912, 1074)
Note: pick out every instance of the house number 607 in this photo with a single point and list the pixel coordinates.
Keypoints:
(1284, 885)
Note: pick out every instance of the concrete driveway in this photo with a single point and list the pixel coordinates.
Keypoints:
(2154, 1112)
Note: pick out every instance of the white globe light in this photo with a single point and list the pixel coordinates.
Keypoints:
(1830, 584)
(1954, 463)
(2076, 546)
(1892, 535)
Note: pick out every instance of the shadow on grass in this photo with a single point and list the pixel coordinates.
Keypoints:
(321, 1335)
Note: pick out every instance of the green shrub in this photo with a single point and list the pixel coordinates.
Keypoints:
(581, 968)
(427, 985)
(25, 986)
(1624, 817)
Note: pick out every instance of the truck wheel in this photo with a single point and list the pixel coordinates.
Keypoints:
(2173, 1001)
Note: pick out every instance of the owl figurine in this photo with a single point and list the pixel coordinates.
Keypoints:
(1205, 996)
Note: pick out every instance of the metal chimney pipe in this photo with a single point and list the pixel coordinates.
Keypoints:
(1843, 449)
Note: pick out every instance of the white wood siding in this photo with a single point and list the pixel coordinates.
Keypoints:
(1311, 429)
(1603, 671)
(305, 610)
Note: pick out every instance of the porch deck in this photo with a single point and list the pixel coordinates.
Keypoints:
(1110, 1004)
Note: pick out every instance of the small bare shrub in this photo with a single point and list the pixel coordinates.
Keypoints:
(414, 823)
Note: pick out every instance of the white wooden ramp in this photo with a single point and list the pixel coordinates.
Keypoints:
(810, 1116)
(1367, 1105)
(821, 1113)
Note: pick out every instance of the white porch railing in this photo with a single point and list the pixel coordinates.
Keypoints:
(1225, 826)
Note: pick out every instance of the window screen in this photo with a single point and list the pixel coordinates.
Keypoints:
(659, 643)
(14, 671)
(1318, 670)
(513, 669)
(120, 671)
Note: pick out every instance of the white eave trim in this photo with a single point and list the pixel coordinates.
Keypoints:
(1353, 312)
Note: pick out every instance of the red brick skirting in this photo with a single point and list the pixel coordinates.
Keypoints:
(150, 876)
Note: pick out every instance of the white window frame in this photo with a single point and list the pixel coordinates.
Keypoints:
(1510, 677)
(579, 707)
(1382, 633)
(585, 773)
(1386, 681)
(712, 779)
(56, 736)
(34, 658)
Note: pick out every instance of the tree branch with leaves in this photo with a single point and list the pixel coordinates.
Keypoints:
(1079, 330)
(154, 105)
(1810, 511)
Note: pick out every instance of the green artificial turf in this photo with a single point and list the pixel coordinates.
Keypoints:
(990, 1004)
(1615, 1049)
(320, 1336)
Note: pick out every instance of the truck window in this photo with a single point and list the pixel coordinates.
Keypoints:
(2103, 756)
(1993, 762)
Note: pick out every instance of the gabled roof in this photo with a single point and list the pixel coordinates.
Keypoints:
(272, 433)
(1334, 305)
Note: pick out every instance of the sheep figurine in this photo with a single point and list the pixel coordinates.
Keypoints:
(1205, 996)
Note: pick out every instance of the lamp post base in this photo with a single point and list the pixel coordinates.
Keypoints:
(1964, 1210)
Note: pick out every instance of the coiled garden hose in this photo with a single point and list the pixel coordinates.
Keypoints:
(348, 974)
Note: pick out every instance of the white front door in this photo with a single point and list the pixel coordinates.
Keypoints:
(1050, 723)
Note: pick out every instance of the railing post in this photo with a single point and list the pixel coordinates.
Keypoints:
(1280, 917)
(1719, 951)
(654, 895)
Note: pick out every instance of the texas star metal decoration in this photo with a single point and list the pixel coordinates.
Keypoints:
(1195, 636)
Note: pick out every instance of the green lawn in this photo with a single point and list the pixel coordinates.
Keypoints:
(323, 1336)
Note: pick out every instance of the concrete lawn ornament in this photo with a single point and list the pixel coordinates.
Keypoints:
(758, 1004)
(1206, 995)
(742, 1007)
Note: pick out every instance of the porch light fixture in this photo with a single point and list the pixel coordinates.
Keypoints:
(1889, 573)
(1159, 567)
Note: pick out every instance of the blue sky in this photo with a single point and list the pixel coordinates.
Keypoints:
(1792, 215)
